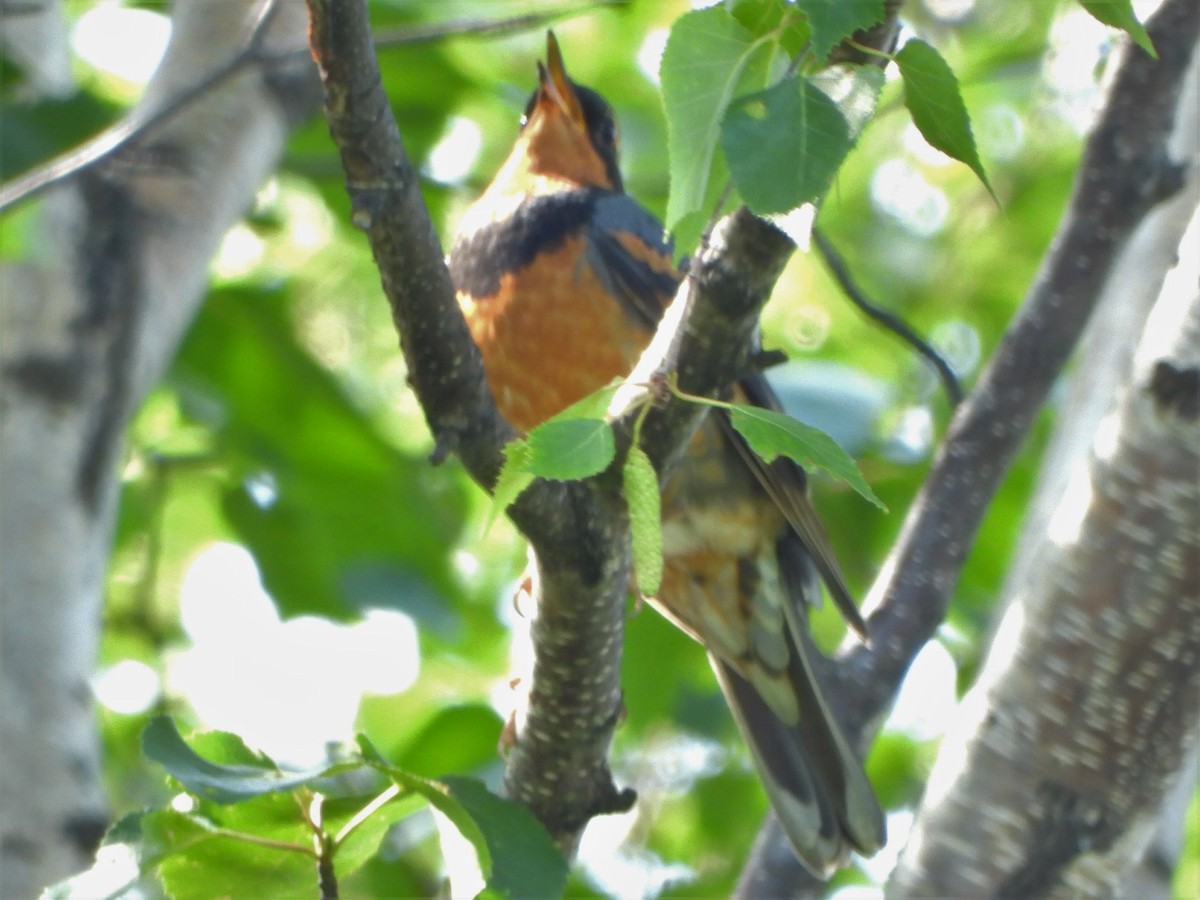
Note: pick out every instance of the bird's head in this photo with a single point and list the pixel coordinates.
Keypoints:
(568, 133)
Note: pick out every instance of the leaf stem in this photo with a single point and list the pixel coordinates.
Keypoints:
(264, 842)
(696, 398)
(366, 812)
(870, 51)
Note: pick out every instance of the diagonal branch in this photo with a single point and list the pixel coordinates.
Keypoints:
(251, 51)
(579, 531)
(1125, 173)
(143, 119)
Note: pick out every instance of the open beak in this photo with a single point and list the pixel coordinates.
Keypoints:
(554, 86)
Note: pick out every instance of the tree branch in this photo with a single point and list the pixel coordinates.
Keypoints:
(250, 52)
(1125, 172)
(579, 531)
(87, 330)
(142, 120)
(1090, 698)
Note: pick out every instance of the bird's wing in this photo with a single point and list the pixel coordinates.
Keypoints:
(628, 249)
(785, 482)
(632, 256)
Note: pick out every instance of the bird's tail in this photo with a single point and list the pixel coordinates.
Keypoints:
(815, 782)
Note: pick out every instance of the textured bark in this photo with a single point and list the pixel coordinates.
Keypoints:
(1131, 164)
(578, 531)
(1090, 699)
(87, 330)
(1125, 172)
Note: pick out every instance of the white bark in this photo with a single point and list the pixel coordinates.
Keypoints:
(1090, 699)
(87, 326)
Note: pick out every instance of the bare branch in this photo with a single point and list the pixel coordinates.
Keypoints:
(409, 34)
(141, 121)
(1124, 173)
(144, 119)
(558, 765)
(890, 321)
(1090, 698)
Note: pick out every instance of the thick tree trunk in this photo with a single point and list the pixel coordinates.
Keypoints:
(1090, 700)
(88, 327)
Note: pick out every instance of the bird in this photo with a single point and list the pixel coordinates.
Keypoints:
(562, 278)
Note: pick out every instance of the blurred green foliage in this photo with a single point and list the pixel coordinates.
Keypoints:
(285, 423)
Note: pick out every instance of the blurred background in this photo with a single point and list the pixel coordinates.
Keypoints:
(288, 566)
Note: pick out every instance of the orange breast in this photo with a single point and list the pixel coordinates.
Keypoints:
(551, 335)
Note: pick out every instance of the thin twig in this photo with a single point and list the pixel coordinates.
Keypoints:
(1124, 174)
(892, 322)
(139, 122)
(365, 813)
(424, 34)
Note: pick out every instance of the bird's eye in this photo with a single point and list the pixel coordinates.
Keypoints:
(606, 133)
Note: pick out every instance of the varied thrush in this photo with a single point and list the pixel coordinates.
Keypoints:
(562, 277)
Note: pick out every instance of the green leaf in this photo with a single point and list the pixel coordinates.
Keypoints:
(709, 59)
(560, 449)
(162, 743)
(570, 449)
(758, 16)
(438, 795)
(833, 21)
(459, 738)
(932, 96)
(771, 434)
(526, 861)
(229, 851)
(514, 477)
(1119, 14)
(573, 444)
(358, 847)
(594, 405)
(854, 89)
(196, 860)
(645, 520)
(516, 855)
(784, 145)
(117, 868)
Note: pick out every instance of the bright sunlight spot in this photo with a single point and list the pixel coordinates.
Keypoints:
(1001, 132)
(900, 191)
(128, 687)
(125, 43)
(613, 861)
(288, 688)
(950, 10)
(926, 703)
(114, 874)
(880, 866)
(911, 439)
(462, 862)
(452, 157)
(1077, 44)
(612, 853)
(240, 252)
(1073, 507)
(924, 152)
(649, 55)
(1005, 646)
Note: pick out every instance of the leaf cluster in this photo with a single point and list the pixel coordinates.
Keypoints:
(243, 819)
